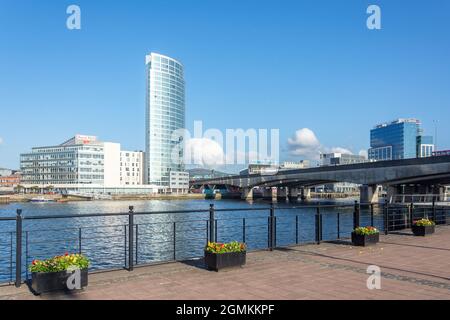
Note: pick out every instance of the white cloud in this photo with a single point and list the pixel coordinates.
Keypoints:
(305, 143)
(363, 153)
(338, 150)
(304, 138)
(203, 152)
(1, 140)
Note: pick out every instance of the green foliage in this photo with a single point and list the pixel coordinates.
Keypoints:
(234, 246)
(60, 263)
(365, 231)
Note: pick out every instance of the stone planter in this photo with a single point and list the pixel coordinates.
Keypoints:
(365, 240)
(422, 230)
(218, 261)
(55, 281)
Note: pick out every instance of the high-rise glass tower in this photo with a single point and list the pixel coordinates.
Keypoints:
(165, 113)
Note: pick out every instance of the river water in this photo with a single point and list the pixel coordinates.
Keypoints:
(160, 237)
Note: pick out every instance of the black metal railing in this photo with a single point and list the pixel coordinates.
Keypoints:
(126, 240)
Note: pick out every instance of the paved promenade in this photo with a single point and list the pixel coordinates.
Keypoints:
(412, 268)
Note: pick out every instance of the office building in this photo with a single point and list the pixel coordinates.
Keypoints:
(5, 172)
(290, 165)
(179, 182)
(165, 113)
(425, 146)
(10, 181)
(83, 163)
(259, 168)
(336, 159)
(400, 139)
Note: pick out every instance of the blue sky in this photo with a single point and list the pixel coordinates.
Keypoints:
(248, 64)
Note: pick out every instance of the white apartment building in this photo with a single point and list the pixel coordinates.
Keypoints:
(131, 168)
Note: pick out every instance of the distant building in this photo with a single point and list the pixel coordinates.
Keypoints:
(290, 165)
(260, 168)
(336, 159)
(5, 172)
(425, 146)
(400, 139)
(83, 163)
(201, 174)
(131, 167)
(441, 153)
(179, 182)
(12, 180)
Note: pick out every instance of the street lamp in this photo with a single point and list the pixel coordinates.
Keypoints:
(435, 134)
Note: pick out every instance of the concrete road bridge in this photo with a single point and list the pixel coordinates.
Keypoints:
(409, 176)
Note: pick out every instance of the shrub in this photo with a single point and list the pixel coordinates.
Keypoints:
(60, 263)
(365, 231)
(215, 247)
(423, 222)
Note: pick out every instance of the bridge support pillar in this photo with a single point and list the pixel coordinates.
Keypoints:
(369, 194)
(391, 193)
(247, 194)
(281, 194)
(306, 194)
(293, 194)
(268, 194)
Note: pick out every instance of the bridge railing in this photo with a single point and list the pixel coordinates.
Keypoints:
(133, 239)
(419, 198)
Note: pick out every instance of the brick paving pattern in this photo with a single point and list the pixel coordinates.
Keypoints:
(412, 268)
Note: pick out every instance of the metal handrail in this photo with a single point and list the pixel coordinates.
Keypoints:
(132, 232)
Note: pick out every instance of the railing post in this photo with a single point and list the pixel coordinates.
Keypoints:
(243, 230)
(131, 239)
(338, 223)
(296, 229)
(79, 241)
(386, 216)
(411, 211)
(434, 210)
(356, 221)
(19, 248)
(371, 214)
(125, 245)
(272, 227)
(212, 223)
(136, 244)
(318, 225)
(174, 241)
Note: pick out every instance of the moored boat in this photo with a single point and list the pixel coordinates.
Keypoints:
(41, 200)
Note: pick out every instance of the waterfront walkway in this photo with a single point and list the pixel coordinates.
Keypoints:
(412, 268)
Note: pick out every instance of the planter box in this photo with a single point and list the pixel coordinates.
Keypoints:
(422, 230)
(365, 240)
(54, 281)
(215, 261)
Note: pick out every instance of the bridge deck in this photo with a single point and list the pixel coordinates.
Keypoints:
(413, 268)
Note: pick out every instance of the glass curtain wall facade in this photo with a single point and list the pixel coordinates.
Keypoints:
(394, 141)
(165, 113)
